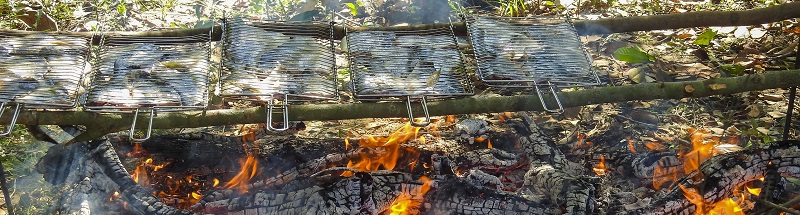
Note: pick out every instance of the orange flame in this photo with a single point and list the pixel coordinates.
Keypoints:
(346, 143)
(386, 150)
(662, 175)
(755, 191)
(490, 144)
(600, 169)
(503, 116)
(480, 139)
(408, 202)
(694, 197)
(248, 171)
(726, 207)
(702, 150)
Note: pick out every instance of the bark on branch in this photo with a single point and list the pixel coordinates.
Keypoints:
(471, 105)
(584, 27)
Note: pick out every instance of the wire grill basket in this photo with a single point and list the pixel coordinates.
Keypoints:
(530, 52)
(154, 73)
(40, 70)
(406, 65)
(278, 60)
(273, 59)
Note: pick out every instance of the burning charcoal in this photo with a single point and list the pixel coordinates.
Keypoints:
(457, 196)
(468, 129)
(481, 179)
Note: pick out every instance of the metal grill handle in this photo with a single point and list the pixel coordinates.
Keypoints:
(424, 110)
(149, 125)
(555, 96)
(13, 118)
(284, 110)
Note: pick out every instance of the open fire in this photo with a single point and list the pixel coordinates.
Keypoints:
(468, 166)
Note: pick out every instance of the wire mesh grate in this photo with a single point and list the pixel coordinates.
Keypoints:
(140, 72)
(387, 65)
(41, 70)
(268, 60)
(518, 52)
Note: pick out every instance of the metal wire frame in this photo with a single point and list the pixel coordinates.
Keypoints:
(40, 71)
(143, 72)
(405, 66)
(392, 65)
(154, 74)
(520, 52)
(270, 61)
(281, 60)
(543, 53)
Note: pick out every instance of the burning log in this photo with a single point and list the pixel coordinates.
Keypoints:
(721, 175)
(551, 174)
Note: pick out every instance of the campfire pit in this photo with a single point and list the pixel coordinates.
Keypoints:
(469, 166)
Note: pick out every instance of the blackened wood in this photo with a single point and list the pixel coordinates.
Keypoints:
(137, 197)
(722, 174)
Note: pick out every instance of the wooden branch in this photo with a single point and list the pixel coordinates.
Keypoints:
(471, 105)
(690, 19)
(584, 27)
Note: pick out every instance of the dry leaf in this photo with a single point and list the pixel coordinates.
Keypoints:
(717, 86)
(757, 33)
(637, 74)
(683, 36)
(38, 20)
(776, 114)
(754, 111)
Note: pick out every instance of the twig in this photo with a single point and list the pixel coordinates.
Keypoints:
(776, 206)
(788, 204)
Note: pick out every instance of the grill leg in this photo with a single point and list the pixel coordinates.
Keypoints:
(424, 110)
(149, 125)
(5, 189)
(13, 118)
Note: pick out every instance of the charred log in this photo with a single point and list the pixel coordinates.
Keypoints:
(724, 173)
(551, 174)
(137, 197)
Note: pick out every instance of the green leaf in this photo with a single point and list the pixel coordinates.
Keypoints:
(204, 23)
(734, 69)
(632, 55)
(121, 8)
(705, 38)
(353, 8)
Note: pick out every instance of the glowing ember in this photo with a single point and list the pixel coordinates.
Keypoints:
(451, 119)
(490, 144)
(196, 195)
(655, 146)
(630, 146)
(408, 202)
(503, 116)
(600, 169)
(479, 139)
